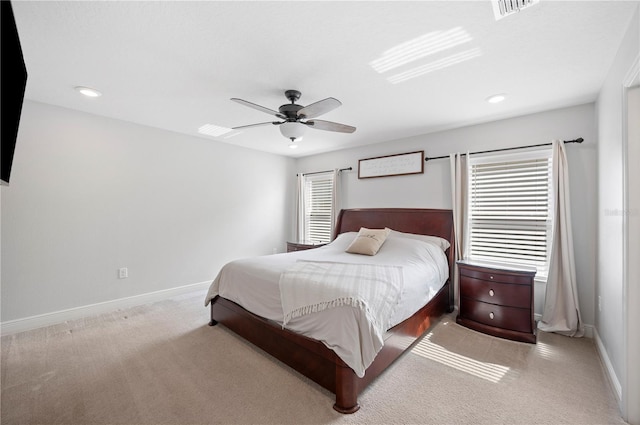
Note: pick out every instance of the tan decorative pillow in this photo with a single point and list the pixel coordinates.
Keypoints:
(368, 241)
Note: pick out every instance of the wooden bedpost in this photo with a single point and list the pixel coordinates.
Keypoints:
(346, 390)
(212, 322)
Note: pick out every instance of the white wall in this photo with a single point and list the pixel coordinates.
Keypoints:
(610, 321)
(89, 195)
(432, 189)
(633, 252)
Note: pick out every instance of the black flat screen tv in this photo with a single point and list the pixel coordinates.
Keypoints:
(13, 80)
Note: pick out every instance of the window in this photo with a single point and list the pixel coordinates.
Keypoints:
(318, 207)
(510, 209)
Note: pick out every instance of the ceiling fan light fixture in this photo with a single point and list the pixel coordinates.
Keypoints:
(293, 130)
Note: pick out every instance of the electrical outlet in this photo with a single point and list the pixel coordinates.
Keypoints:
(599, 303)
(123, 273)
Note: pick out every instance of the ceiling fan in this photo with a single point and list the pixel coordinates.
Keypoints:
(296, 118)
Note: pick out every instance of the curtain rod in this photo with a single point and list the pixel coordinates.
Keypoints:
(328, 171)
(578, 140)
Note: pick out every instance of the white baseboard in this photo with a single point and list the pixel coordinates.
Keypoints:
(33, 322)
(615, 382)
(589, 331)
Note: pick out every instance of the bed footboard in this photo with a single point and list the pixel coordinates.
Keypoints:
(317, 362)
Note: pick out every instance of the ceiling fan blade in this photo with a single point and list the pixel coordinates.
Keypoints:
(256, 125)
(319, 108)
(258, 107)
(330, 126)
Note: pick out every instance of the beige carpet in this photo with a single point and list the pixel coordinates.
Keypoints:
(161, 364)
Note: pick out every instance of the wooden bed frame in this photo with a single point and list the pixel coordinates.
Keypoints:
(311, 357)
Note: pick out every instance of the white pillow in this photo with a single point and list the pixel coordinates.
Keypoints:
(442, 243)
(343, 240)
(368, 241)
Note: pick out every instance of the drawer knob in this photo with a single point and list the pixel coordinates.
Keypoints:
(491, 315)
(491, 277)
(491, 293)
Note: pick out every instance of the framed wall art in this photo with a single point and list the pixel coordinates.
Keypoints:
(391, 165)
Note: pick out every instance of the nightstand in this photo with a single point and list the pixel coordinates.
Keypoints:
(302, 245)
(497, 300)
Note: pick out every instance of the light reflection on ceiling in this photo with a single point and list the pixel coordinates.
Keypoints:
(421, 47)
(213, 130)
(435, 65)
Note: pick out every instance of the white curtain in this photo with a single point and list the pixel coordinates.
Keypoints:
(300, 236)
(459, 184)
(561, 310)
(335, 199)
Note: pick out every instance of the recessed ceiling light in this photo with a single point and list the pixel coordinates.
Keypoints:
(213, 130)
(88, 91)
(496, 98)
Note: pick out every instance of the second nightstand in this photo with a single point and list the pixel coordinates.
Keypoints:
(497, 300)
(302, 245)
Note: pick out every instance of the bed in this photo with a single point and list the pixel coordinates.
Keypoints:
(312, 357)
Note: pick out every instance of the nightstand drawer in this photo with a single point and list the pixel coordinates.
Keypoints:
(491, 276)
(516, 319)
(496, 293)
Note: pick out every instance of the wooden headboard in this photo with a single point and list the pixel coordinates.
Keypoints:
(409, 220)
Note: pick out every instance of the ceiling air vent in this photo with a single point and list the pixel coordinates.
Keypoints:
(503, 8)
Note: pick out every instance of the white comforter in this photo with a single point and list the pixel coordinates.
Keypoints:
(253, 283)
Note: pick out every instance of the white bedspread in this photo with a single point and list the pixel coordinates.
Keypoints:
(254, 283)
(313, 286)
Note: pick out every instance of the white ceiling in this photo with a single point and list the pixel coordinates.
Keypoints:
(175, 65)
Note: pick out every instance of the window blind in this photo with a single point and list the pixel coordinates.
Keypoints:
(510, 209)
(319, 207)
